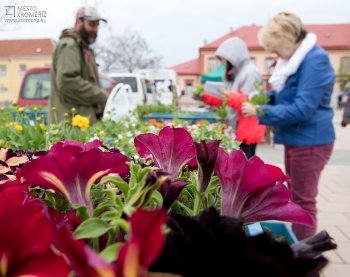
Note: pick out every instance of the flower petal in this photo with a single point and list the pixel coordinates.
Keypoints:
(83, 260)
(72, 168)
(273, 203)
(32, 246)
(146, 240)
(254, 190)
(170, 151)
(207, 153)
(171, 191)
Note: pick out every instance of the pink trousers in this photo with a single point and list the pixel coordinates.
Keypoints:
(304, 165)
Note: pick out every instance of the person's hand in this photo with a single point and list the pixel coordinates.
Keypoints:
(249, 109)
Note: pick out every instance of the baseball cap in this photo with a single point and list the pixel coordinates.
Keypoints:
(89, 13)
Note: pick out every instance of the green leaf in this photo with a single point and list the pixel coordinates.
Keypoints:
(91, 228)
(157, 197)
(110, 253)
(122, 224)
(103, 206)
(82, 212)
(117, 181)
(187, 210)
(110, 215)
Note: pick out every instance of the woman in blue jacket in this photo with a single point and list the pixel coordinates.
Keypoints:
(299, 108)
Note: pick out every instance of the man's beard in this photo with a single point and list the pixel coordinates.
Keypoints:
(87, 37)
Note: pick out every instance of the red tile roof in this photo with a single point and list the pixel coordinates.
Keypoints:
(26, 47)
(330, 36)
(187, 68)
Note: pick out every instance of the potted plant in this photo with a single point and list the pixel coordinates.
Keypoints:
(179, 209)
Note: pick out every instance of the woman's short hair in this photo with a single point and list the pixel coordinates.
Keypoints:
(282, 32)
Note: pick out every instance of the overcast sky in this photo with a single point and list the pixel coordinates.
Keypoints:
(175, 29)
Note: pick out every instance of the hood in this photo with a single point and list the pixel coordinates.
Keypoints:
(74, 34)
(70, 33)
(233, 50)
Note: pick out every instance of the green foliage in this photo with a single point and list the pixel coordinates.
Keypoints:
(199, 90)
(222, 110)
(22, 133)
(147, 109)
(91, 228)
(260, 98)
(35, 135)
(6, 115)
(65, 130)
(191, 201)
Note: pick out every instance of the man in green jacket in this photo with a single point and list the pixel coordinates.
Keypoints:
(74, 76)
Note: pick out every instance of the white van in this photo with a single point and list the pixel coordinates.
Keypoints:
(161, 81)
(137, 84)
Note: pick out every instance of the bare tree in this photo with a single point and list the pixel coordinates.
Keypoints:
(126, 52)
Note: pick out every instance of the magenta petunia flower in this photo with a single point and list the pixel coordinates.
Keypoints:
(171, 150)
(207, 153)
(72, 167)
(81, 258)
(26, 238)
(254, 190)
(145, 242)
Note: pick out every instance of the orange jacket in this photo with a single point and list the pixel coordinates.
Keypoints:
(249, 131)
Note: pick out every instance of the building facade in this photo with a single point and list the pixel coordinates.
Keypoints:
(334, 38)
(16, 56)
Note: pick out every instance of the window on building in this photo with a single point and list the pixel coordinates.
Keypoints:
(22, 69)
(3, 70)
(269, 65)
(189, 88)
(345, 65)
(213, 63)
(3, 88)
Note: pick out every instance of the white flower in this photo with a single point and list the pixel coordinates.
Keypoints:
(136, 157)
(129, 134)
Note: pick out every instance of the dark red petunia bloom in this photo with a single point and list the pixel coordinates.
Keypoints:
(72, 167)
(254, 190)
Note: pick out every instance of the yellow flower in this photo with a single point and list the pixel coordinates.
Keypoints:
(19, 127)
(81, 121)
(38, 118)
(20, 109)
(42, 127)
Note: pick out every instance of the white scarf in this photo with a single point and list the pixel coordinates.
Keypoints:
(286, 68)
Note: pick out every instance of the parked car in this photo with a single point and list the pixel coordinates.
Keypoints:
(138, 87)
(162, 82)
(35, 87)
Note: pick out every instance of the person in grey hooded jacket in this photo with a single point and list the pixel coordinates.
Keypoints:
(240, 77)
(241, 73)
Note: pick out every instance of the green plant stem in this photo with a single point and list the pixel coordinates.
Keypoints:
(95, 244)
(197, 203)
(111, 237)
